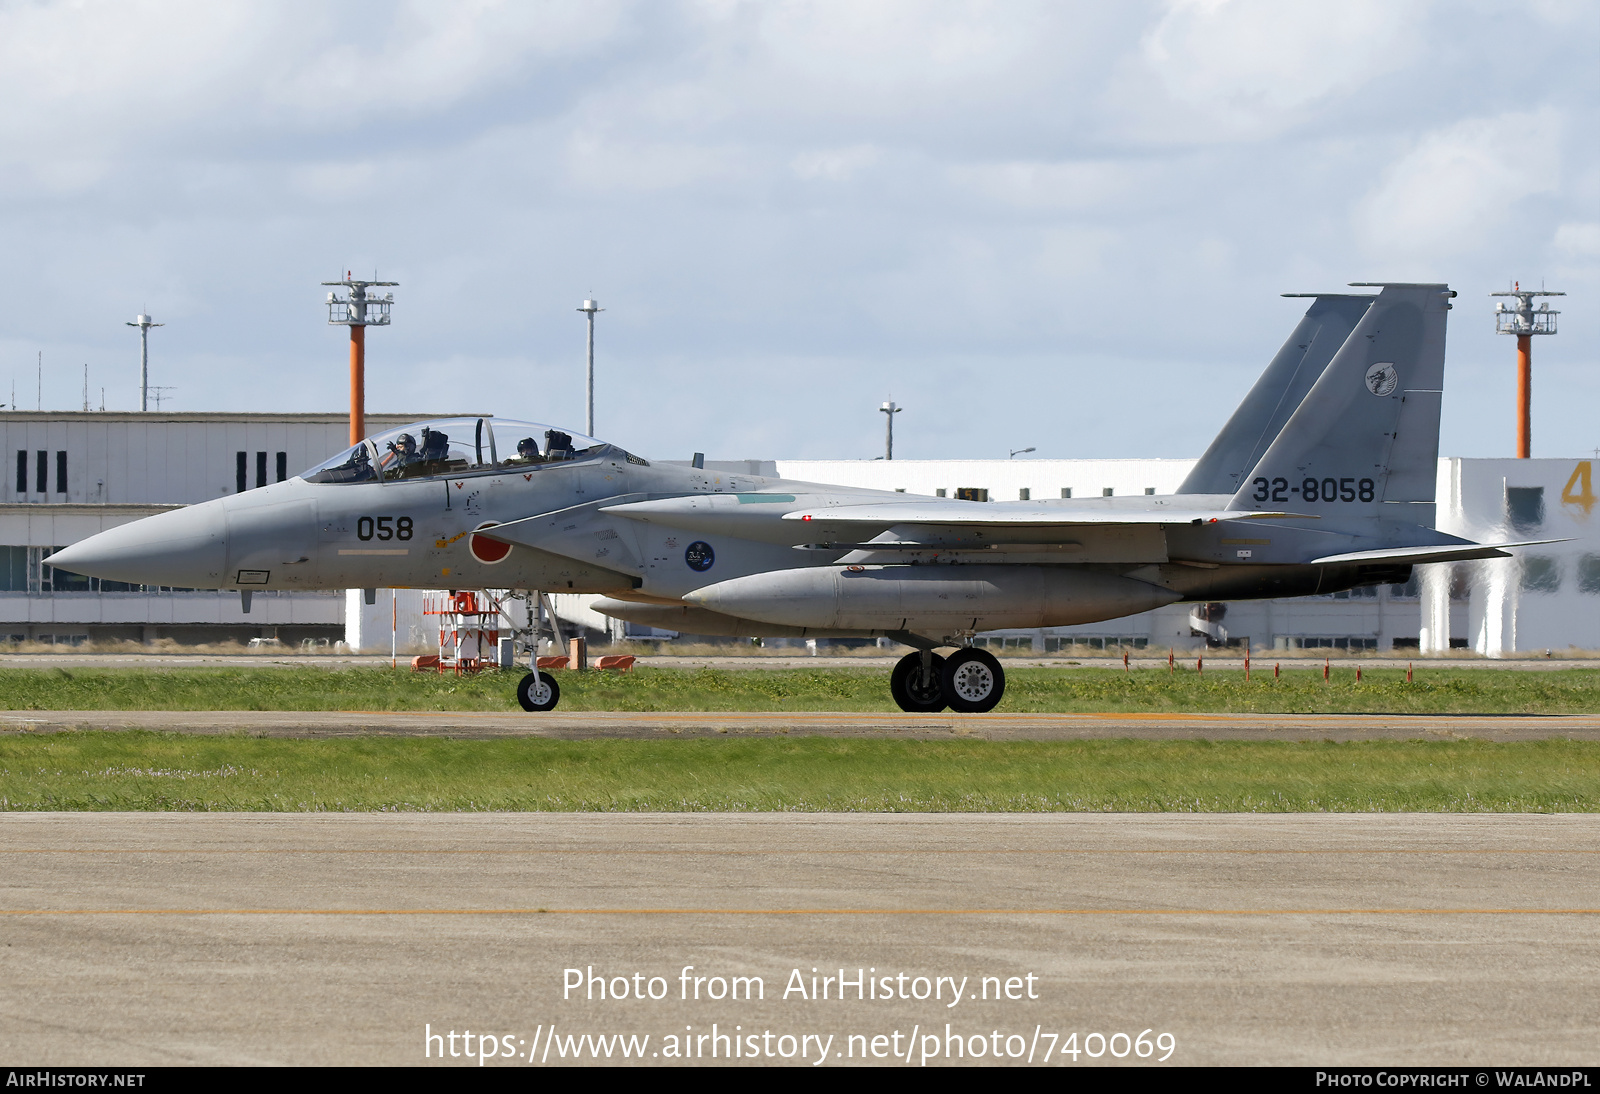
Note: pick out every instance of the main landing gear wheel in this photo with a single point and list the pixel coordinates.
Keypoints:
(916, 691)
(973, 681)
(538, 691)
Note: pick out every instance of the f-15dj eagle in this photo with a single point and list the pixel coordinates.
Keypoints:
(1322, 480)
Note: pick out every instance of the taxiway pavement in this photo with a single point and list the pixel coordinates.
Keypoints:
(143, 939)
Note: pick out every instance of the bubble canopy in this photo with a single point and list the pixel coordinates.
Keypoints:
(456, 446)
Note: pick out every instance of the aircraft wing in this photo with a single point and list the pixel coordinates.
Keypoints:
(824, 516)
(1012, 515)
(1416, 556)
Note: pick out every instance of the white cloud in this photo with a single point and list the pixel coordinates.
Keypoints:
(432, 55)
(996, 185)
(596, 163)
(834, 164)
(1250, 68)
(1080, 186)
(1460, 185)
(1581, 239)
(119, 74)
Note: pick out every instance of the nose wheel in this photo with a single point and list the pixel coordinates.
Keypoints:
(916, 687)
(538, 691)
(973, 681)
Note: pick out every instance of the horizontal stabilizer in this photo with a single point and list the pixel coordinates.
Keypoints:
(1416, 556)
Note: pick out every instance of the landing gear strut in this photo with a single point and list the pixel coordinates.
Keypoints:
(969, 681)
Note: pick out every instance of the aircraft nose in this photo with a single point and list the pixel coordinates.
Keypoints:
(186, 548)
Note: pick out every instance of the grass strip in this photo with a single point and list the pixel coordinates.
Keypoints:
(143, 770)
(1029, 690)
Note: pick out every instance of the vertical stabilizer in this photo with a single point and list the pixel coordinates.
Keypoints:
(1367, 433)
(1281, 388)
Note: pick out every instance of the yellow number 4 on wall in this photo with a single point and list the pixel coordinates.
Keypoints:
(1579, 490)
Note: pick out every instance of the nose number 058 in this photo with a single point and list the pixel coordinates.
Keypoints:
(383, 528)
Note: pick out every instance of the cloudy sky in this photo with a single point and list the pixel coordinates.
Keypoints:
(1063, 225)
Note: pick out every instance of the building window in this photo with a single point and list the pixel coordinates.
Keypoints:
(61, 472)
(1525, 507)
(1025, 494)
(42, 473)
(22, 471)
(939, 493)
(1149, 490)
(1411, 590)
(241, 468)
(1105, 492)
(1066, 491)
(13, 569)
(261, 469)
(283, 466)
(64, 581)
(1342, 643)
(1540, 574)
(1589, 574)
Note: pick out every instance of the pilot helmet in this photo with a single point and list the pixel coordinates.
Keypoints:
(404, 443)
(527, 447)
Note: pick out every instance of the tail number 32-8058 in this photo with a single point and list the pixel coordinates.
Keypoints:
(383, 528)
(1313, 489)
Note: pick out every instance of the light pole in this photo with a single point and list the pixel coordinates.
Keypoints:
(144, 323)
(890, 410)
(1015, 452)
(589, 308)
(360, 311)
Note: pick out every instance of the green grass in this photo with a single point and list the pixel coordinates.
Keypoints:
(1065, 690)
(142, 770)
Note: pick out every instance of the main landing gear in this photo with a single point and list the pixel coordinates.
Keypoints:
(969, 681)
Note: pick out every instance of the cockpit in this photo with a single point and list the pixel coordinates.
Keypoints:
(458, 446)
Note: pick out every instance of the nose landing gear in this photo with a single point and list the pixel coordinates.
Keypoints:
(969, 681)
(538, 691)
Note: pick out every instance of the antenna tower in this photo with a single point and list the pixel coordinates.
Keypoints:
(1524, 320)
(360, 310)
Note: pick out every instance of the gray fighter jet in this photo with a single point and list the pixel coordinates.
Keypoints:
(1323, 480)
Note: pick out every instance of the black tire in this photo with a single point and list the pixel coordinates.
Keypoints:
(911, 691)
(529, 692)
(973, 681)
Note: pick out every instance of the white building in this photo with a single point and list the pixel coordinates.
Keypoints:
(1548, 597)
(70, 475)
(74, 474)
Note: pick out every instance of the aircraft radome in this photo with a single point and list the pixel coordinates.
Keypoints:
(1322, 480)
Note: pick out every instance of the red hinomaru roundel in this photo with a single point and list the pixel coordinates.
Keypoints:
(486, 550)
